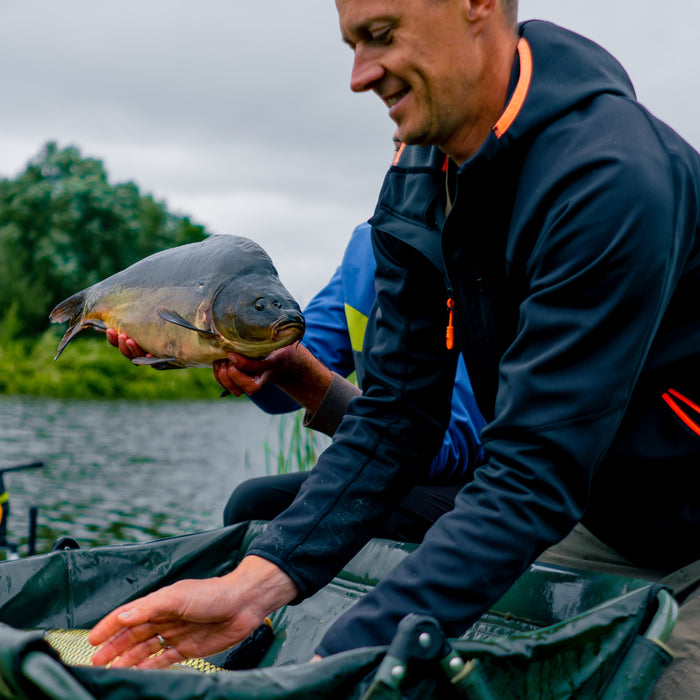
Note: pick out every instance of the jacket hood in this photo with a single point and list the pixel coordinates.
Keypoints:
(556, 71)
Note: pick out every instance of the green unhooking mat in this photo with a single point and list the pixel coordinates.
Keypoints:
(556, 633)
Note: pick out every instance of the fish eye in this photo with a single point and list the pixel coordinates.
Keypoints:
(259, 305)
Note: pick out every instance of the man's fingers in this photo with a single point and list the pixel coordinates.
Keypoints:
(135, 647)
(112, 337)
(130, 348)
(127, 346)
(106, 627)
(168, 657)
(136, 653)
(135, 618)
(126, 640)
(236, 381)
(221, 376)
(141, 639)
(253, 366)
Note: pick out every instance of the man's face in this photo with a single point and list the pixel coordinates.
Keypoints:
(420, 57)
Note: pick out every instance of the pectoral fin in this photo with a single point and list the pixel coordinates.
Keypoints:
(174, 317)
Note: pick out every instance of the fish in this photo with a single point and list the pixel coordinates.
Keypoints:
(189, 305)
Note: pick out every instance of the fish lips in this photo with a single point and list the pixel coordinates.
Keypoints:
(292, 326)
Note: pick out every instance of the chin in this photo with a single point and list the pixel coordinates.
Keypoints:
(412, 137)
(415, 140)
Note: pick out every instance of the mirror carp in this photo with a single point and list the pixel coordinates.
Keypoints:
(191, 304)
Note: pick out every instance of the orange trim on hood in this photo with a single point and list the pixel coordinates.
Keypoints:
(398, 153)
(516, 101)
(667, 396)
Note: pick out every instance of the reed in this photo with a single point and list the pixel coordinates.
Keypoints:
(297, 447)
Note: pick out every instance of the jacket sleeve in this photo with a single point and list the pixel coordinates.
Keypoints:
(388, 437)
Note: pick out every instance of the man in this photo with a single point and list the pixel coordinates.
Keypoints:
(336, 319)
(560, 220)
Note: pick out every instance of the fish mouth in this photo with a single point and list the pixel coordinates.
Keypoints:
(287, 329)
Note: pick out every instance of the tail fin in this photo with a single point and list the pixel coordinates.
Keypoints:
(69, 310)
(69, 335)
(76, 328)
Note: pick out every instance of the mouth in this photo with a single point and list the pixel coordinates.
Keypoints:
(396, 97)
(288, 329)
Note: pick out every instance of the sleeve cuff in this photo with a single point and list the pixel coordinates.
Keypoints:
(327, 417)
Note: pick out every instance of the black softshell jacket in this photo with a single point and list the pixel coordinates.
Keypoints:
(572, 257)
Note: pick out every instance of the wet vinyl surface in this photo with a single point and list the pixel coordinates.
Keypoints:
(124, 471)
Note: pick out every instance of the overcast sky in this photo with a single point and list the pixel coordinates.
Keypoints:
(239, 114)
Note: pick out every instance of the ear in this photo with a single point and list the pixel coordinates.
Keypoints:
(478, 11)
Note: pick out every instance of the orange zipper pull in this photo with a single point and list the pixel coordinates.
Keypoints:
(450, 333)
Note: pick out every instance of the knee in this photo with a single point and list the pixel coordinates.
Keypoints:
(243, 501)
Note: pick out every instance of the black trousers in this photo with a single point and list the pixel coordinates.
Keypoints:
(263, 498)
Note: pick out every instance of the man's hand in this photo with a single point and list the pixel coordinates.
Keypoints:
(294, 369)
(244, 375)
(128, 347)
(193, 618)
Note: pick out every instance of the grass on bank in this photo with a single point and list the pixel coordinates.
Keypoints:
(89, 368)
(297, 447)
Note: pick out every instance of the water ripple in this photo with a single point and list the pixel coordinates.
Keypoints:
(123, 471)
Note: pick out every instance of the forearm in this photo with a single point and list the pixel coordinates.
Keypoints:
(307, 382)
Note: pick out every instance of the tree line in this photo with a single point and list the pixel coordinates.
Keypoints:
(63, 227)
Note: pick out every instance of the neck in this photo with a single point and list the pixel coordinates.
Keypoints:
(491, 92)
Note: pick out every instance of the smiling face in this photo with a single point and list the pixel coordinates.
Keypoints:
(435, 64)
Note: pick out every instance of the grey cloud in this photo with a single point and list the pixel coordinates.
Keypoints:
(240, 113)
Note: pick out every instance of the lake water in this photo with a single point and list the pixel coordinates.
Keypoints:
(120, 471)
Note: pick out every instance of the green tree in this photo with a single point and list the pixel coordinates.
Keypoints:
(63, 227)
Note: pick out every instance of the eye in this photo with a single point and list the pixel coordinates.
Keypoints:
(381, 37)
(259, 305)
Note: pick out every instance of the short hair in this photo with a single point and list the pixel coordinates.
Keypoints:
(510, 12)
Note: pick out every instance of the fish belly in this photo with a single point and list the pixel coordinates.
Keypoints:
(134, 313)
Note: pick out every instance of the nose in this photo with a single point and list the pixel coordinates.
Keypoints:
(366, 70)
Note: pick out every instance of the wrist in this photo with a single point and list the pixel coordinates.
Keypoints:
(265, 585)
(306, 380)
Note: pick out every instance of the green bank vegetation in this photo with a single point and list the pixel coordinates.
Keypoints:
(89, 369)
(63, 227)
